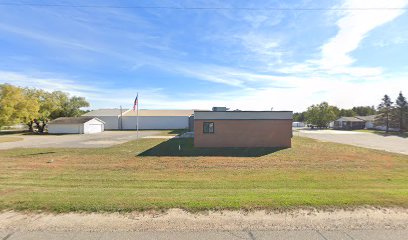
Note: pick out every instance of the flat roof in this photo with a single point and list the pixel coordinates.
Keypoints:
(107, 112)
(238, 111)
(244, 115)
(160, 113)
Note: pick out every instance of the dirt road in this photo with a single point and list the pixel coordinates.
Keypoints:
(363, 223)
(97, 140)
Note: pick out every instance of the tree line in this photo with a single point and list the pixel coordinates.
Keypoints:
(35, 107)
(333, 112)
(388, 113)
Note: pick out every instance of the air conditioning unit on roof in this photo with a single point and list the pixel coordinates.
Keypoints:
(219, 109)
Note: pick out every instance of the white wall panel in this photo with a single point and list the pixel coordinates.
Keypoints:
(111, 122)
(65, 128)
(174, 122)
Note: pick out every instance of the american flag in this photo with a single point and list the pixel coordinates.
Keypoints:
(136, 102)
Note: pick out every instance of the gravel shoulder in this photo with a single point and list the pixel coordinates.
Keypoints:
(97, 140)
(389, 143)
(180, 220)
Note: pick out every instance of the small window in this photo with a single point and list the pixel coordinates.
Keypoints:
(208, 127)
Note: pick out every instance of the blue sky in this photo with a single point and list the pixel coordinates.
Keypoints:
(251, 59)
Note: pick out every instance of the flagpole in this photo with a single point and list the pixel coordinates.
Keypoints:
(137, 122)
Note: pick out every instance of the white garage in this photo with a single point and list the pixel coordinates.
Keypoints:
(112, 117)
(76, 125)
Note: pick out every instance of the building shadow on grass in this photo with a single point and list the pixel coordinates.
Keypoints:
(178, 131)
(36, 154)
(10, 132)
(184, 147)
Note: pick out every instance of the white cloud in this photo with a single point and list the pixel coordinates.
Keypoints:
(235, 77)
(302, 93)
(259, 43)
(354, 25)
(332, 76)
(99, 95)
(335, 61)
(45, 38)
(393, 41)
(47, 83)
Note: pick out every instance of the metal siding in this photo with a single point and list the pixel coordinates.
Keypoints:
(111, 122)
(129, 122)
(159, 113)
(64, 128)
(191, 123)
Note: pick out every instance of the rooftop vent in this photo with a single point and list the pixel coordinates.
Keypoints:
(219, 109)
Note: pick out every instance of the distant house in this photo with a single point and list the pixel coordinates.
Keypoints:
(349, 123)
(298, 124)
(368, 120)
(357, 122)
(76, 125)
(370, 124)
(242, 128)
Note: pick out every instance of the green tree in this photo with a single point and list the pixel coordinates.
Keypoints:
(384, 116)
(57, 104)
(16, 106)
(60, 101)
(346, 113)
(401, 108)
(321, 114)
(299, 117)
(35, 106)
(73, 108)
(45, 107)
(364, 110)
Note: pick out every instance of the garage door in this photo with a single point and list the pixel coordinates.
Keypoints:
(93, 128)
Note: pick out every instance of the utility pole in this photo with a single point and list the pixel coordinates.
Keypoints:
(121, 118)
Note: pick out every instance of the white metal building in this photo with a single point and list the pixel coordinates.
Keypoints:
(111, 117)
(157, 119)
(298, 124)
(76, 125)
(148, 119)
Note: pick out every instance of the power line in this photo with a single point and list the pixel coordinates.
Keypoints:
(204, 8)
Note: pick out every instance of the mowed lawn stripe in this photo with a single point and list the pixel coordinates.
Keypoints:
(243, 180)
(311, 173)
(87, 199)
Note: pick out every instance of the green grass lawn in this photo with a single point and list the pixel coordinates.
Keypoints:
(154, 174)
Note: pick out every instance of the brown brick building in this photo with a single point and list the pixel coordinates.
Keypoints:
(242, 128)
